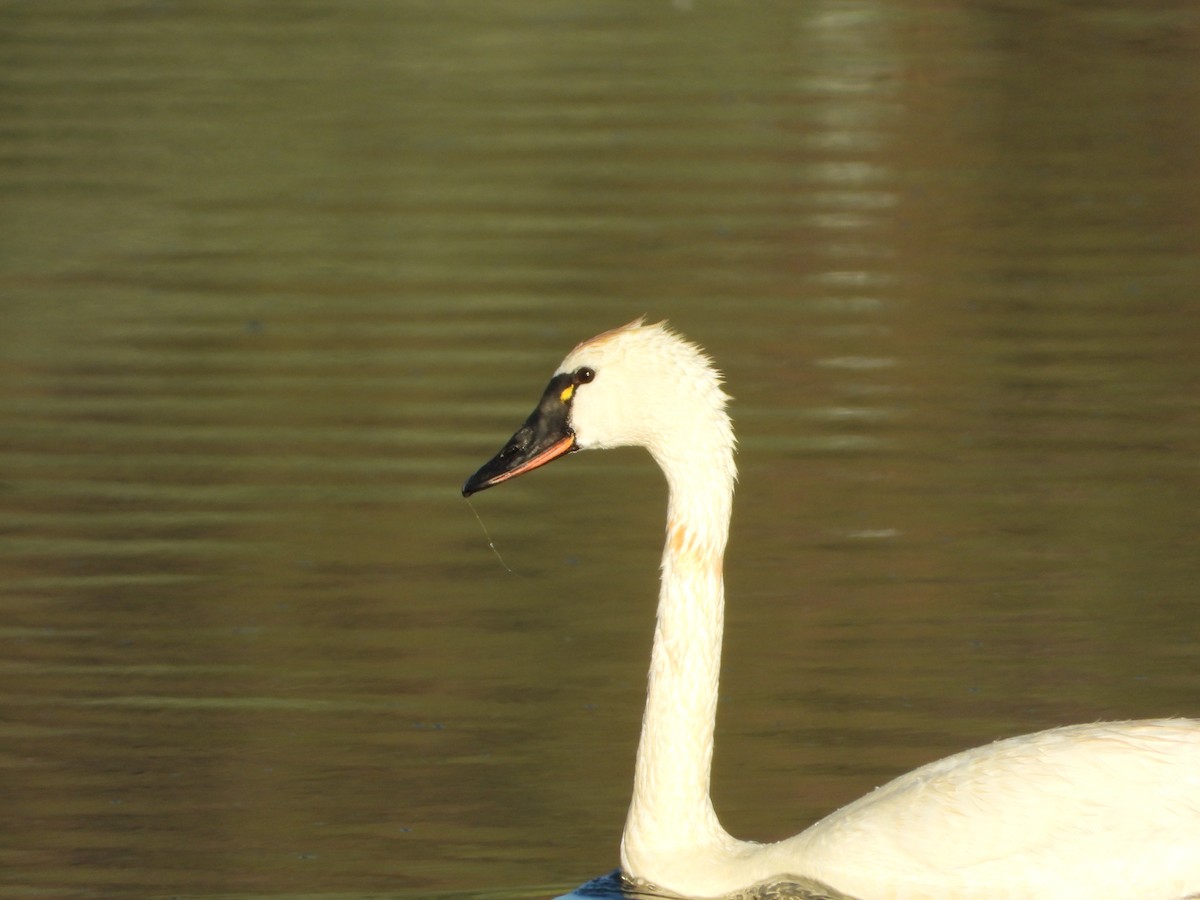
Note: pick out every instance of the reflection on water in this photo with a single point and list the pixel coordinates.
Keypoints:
(613, 887)
(276, 278)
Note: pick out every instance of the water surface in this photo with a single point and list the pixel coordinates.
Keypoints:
(277, 277)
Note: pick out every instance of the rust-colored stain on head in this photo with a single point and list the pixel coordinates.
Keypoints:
(603, 338)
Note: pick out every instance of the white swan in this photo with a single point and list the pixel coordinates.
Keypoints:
(1087, 811)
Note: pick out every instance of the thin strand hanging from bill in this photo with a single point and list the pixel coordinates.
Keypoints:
(491, 543)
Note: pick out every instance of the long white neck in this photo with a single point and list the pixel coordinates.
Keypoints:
(671, 811)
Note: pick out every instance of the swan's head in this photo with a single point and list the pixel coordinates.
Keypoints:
(639, 385)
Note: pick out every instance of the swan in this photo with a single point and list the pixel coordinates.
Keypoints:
(1107, 810)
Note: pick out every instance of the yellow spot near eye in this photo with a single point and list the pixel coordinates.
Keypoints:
(567, 392)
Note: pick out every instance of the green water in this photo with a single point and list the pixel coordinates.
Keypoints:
(276, 277)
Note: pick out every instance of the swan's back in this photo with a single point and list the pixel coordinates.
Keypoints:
(1082, 811)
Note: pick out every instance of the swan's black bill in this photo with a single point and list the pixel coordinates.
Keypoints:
(545, 436)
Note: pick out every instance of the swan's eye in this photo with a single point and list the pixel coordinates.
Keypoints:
(582, 375)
